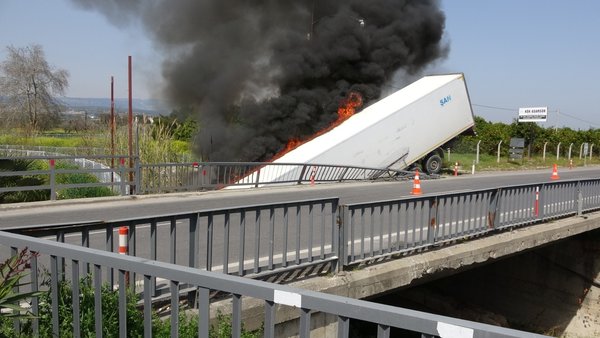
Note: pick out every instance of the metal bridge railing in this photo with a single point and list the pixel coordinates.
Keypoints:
(169, 177)
(257, 240)
(263, 240)
(379, 229)
(274, 297)
(254, 240)
(127, 177)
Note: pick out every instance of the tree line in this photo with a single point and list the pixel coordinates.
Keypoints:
(491, 133)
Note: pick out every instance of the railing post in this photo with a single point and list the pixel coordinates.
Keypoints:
(138, 175)
(342, 242)
(257, 178)
(433, 226)
(52, 179)
(494, 206)
(302, 174)
(579, 199)
(122, 173)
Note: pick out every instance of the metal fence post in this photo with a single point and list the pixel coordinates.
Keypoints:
(341, 246)
(122, 173)
(494, 206)
(579, 199)
(499, 144)
(52, 180)
(138, 175)
(302, 174)
(257, 178)
(433, 226)
(570, 148)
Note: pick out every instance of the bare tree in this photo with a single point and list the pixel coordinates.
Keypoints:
(29, 87)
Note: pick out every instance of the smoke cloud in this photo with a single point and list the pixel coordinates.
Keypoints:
(259, 73)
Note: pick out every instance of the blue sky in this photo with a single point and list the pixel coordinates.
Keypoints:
(514, 53)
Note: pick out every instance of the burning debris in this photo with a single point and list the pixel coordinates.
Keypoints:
(261, 73)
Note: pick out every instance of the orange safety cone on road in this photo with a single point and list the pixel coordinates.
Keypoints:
(554, 173)
(416, 184)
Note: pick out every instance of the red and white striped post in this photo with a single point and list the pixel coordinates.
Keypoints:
(455, 168)
(123, 247)
(313, 172)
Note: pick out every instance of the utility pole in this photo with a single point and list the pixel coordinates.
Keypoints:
(130, 130)
(112, 128)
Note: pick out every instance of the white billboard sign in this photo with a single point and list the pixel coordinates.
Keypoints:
(533, 114)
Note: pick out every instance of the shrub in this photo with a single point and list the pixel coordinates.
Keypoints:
(188, 325)
(13, 305)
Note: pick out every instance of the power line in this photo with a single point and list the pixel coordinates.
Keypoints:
(580, 120)
(516, 110)
(492, 107)
(561, 113)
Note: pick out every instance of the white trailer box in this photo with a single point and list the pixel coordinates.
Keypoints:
(406, 127)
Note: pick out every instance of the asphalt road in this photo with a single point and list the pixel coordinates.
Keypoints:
(119, 208)
(122, 208)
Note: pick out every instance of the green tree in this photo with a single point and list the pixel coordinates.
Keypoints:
(30, 85)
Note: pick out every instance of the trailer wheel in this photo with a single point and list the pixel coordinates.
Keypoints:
(433, 164)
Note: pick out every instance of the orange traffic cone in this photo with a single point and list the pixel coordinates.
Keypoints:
(416, 184)
(554, 173)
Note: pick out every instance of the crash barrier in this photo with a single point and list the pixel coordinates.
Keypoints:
(380, 229)
(170, 177)
(128, 177)
(254, 240)
(268, 239)
(274, 297)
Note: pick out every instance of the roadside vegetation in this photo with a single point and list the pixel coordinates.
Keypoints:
(16, 306)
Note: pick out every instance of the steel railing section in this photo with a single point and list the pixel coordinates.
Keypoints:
(253, 240)
(379, 229)
(169, 177)
(274, 297)
(127, 178)
(589, 195)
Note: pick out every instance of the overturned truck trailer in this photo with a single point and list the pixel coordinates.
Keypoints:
(407, 128)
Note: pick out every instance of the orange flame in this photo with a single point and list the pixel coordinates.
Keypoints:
(346, 109)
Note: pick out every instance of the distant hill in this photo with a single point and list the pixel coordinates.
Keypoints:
(148, 106)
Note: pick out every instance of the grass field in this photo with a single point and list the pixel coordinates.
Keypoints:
(491, 163)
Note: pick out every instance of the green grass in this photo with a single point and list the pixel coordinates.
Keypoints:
(490, 162)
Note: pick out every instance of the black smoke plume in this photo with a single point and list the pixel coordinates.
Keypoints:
(257, 73)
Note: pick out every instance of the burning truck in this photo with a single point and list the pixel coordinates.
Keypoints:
(405, 129)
